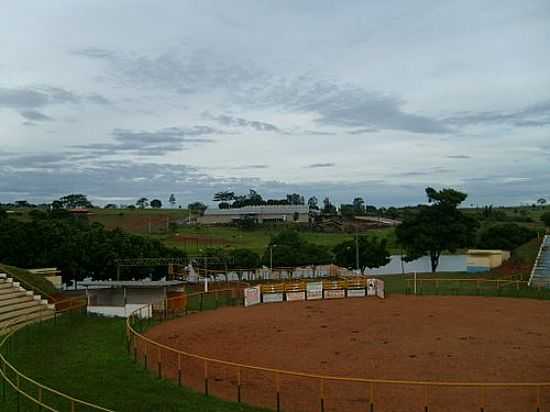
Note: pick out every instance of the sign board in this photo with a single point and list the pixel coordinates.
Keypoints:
(314, 290)
(356, 293)
(252, 296)
(371, 287)
(292, 296)
(335, 293)
(380, 288)
(272, 297)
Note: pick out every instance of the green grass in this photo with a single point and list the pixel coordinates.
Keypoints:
(30, 280)
(86, 357)
(258, 239)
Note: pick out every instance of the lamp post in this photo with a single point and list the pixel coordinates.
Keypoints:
(357, 250)
(271, 260)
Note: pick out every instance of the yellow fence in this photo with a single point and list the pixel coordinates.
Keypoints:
(298, 391)
(39, 395)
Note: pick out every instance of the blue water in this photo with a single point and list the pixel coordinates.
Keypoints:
(447, 263)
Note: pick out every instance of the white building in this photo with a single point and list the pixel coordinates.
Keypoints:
(261, 214)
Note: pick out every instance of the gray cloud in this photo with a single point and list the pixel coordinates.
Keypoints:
(363, 131)
(32, 98)
(250, 167)
(535, 115)
(459, 157)
(151, 143)
(433, 171)
(202, 71)
(93, 53)
(35, 116)
(320, 165)
(98, 99)
(240, 122)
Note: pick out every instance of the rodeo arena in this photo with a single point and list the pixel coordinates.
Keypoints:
(320, 338)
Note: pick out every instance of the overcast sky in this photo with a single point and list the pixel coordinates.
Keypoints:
(127, 98)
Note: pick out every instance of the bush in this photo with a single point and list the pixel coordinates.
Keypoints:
(546, 219)
(505, 236)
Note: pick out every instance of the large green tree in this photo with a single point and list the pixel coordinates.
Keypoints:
(370, 251)
(436, 227)
(243, 260)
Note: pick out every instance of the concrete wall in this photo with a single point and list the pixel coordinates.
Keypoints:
(227, 218)
(121, 311)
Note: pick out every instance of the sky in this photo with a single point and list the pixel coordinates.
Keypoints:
(130, 98)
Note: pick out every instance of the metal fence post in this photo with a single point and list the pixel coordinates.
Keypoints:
(179, 369)
(206, 378)
(277, 386)
(239, 385)
(322, 393)
(371, 396)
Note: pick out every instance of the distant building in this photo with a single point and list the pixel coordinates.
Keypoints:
(485, 260)
(260, 214)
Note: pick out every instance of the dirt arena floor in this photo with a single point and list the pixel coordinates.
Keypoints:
(403, 337)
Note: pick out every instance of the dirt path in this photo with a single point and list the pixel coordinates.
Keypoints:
(403, 337)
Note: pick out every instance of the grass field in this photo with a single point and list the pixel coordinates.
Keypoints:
(30, 281)
(258, 239)
(86, 357)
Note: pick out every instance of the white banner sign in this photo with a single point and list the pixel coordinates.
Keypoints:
(380, 288)
(272, 297)
(356, 293)
(292, 296)
(335, 294)
(252, 296)
(314, 290)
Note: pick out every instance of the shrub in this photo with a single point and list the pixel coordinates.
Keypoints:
(505, 236)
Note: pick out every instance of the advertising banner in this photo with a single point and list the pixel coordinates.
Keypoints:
(272, 297)
(356, 293)
(252, 296)
(371, 287)
(335, 294)
(292, 296)
(380, 288)
(314, 290)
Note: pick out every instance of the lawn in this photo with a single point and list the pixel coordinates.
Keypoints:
(258, 239)
(86, 357)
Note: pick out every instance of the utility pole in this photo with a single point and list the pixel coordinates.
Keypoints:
(357, 251)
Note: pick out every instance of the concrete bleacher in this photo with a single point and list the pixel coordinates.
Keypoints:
(19, 307)
(540, 275)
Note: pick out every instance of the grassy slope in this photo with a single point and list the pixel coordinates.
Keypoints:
(258, 239)
(87, 358)
(28, 278)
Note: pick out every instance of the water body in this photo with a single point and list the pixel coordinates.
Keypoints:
(447, 263)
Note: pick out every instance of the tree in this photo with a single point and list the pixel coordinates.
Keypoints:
(541, 202)
(172, 200)
(372, 253)
(347, 210)
(358, 206)
(290, 250)
(546, 219)
(111, 206)
(225, 196)
(505, 236)
(313, 203)
(197, 208)
(142, 203)
(243, 260)
(3, 214)
(295, 199)
(155, 203)
(328, 207)
(437, 227)
(74, 201)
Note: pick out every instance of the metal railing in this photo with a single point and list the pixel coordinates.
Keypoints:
(227, 379)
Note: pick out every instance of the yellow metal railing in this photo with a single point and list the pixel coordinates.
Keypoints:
(148, 348)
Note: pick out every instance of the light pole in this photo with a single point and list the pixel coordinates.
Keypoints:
(357, 250)
(271, 260)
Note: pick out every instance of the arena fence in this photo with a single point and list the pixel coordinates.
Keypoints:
(22, 393)
(281, 389)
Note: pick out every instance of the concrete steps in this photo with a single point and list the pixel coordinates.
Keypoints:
(540, 275)
(19, 307)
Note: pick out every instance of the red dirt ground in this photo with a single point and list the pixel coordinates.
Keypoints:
(403, 337)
